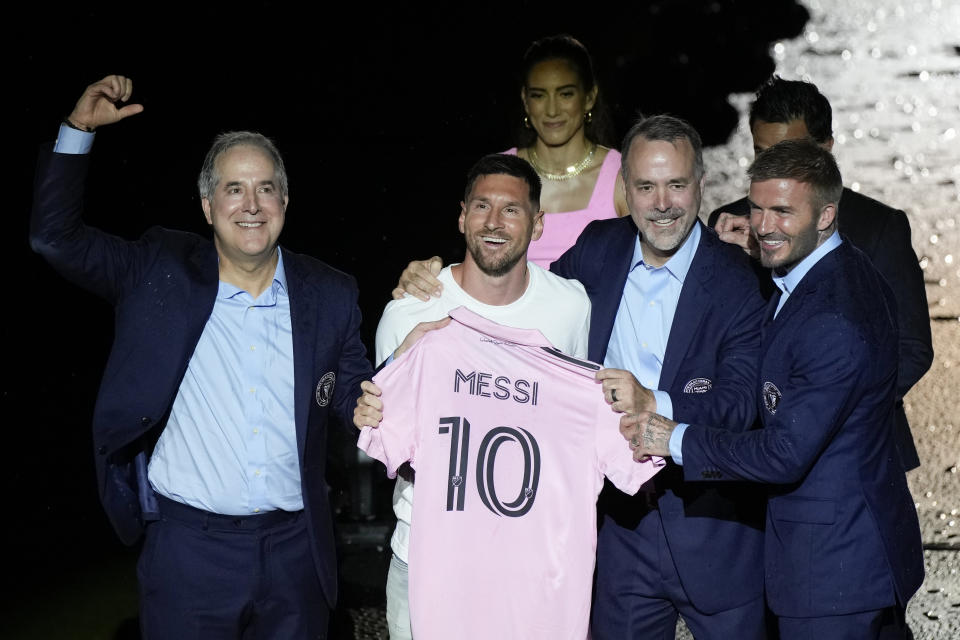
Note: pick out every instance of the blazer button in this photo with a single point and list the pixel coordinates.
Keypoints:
(102, 449)
(145, 421)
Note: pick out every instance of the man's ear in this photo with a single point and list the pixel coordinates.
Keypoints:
(537, 225)
(828, 215)
(463, 215)
(205, 203)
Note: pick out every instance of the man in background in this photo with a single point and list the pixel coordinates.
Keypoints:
(790, 110)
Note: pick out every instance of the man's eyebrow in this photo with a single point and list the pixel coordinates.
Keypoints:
(780, 207)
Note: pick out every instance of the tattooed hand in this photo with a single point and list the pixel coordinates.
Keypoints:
(648, 434)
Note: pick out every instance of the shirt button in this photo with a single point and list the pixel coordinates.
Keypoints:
(257, 473)
(653, 304)
(256, 431)
(252, 348)
(257, 510)
(643, 344)
(253, 390)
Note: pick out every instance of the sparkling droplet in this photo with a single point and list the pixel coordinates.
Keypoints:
(845, 54)
(855, 186)
(934, 239)
(924, 75)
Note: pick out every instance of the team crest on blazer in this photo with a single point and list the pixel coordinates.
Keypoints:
(771, 397)
(325, 388)
(698, 385)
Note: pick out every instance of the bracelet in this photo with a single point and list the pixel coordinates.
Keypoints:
(70, 124)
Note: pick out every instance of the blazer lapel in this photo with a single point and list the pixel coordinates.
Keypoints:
(303, 318)
(204, 278)
(768, 314)
(614, 268)
(691, 307)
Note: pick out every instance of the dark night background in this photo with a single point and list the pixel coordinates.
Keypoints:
(379, 112)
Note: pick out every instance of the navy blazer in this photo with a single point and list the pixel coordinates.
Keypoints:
(883, 233)
(842, 530)
(163, 288)
(709, 370)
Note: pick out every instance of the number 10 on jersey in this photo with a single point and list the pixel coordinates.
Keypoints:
(459, 430)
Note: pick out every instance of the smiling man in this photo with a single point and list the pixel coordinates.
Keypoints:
(843, 554)
(795, 110)
(676, 322)
(229, 359)
(499, 216)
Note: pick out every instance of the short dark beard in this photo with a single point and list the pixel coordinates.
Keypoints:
(499, 270)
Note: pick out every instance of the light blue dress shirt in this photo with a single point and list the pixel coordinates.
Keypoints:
(638, 341)
(787, 284)
(230, 444)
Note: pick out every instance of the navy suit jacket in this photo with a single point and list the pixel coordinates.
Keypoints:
(883, 233)
(163, 288)
(709, 369)
(842, 531)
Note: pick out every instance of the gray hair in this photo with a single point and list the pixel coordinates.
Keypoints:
(664, 128)
(209, 178)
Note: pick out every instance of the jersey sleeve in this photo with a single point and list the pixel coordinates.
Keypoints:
(394, 441)
(614, 457)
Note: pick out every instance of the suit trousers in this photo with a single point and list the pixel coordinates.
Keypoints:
(881, 624)
(639, 594)
(211, 577)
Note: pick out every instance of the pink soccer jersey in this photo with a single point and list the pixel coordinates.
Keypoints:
(510, 440)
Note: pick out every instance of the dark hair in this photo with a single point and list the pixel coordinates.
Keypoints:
(781, 101)
(598, 127)
(501, 163)
(668, 129)
(803, 161)
(209, 178)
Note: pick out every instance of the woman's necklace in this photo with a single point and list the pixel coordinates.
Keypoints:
(571, 172)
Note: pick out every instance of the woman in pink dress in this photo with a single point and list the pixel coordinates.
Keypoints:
(564, 130)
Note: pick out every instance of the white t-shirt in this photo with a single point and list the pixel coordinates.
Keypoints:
(510, 440)
(557, 307)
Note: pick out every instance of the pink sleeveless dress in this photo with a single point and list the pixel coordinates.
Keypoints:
(561, 230)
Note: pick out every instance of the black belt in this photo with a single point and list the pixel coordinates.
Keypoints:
(191, 515)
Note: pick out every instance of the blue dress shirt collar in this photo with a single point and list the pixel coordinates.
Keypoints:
(788, 283)
(679, 263)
